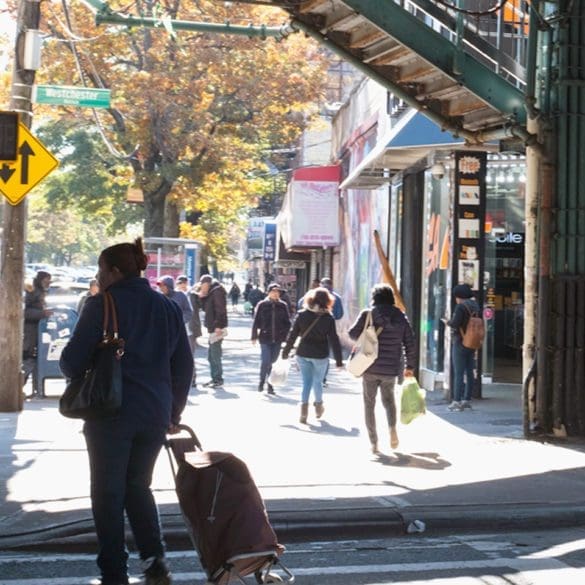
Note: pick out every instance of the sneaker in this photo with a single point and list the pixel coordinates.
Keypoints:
(209, 384)
(455, 406)
(218, 384)
(157, 573)
(466, 404)
(271, 389)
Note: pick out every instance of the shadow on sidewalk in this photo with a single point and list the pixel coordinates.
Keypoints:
(428, 461)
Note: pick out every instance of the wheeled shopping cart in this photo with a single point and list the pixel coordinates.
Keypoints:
(224, 514)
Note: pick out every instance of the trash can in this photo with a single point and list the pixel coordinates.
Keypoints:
(54, 333)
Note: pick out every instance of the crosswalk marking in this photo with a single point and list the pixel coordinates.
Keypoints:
(535, 566)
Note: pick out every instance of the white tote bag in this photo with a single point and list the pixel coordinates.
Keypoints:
(365, 351)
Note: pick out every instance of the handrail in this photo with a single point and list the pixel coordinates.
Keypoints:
(507, 53)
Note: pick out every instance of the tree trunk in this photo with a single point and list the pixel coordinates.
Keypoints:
(154, 209)
(172, 218)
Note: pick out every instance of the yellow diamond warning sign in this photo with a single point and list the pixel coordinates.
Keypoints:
(33, 163)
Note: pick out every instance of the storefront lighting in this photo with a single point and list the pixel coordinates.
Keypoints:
(522, 178)
(510, 177)
(501, 177)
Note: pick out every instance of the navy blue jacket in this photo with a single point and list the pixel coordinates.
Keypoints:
(396, 336)
(271, 321)
(157, 365)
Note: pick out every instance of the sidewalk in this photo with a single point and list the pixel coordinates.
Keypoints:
(461, 471)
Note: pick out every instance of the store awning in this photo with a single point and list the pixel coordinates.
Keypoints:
(411, 139)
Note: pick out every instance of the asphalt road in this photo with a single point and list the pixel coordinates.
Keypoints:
(527, 558)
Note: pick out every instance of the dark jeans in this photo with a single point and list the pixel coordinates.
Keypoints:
(122, 455)
(214, 356)
(463, 366)
(370, 385)
(268, 355)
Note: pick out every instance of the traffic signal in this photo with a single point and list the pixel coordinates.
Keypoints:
(8, 135)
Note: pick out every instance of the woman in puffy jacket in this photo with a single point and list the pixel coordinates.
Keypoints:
(316, 327)
(395, 335)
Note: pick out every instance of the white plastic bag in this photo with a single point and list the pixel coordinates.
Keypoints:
(279, 373)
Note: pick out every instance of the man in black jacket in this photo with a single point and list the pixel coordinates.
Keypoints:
(213, 299)
(270, 327)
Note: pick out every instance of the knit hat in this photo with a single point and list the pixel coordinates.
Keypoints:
(462, 291)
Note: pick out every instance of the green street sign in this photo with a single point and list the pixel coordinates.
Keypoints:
(65, 95)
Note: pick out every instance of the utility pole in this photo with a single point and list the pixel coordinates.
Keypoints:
(14, 224)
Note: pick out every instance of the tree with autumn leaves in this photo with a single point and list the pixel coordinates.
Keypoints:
(195, 117)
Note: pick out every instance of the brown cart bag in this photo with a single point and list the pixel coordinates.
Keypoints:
(225, 514)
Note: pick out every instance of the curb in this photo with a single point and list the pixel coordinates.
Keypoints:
(307, 525)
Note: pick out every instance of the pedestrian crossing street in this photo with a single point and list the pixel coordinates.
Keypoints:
(451, 560)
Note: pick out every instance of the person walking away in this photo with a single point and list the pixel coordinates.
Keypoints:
(337, 312)
(247, 289)
(463, 358)
(35, 309)
(213, 299)
(395, 336)
(270, 327)
(234, 295)
(315, 283)
(156, 370)
(166, 284)
(94, 289)
(255, 296)
(316, 327)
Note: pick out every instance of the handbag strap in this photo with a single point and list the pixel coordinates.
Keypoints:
(310, 327)
(370, 322)
(110, 317)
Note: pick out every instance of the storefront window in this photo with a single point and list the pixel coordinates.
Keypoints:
(504, 300)
(435, 271)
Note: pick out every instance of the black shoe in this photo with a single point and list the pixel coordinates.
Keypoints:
(261, 387)
(325, 383)
(218, 384)
(271, 389)
(157, 573)
(209, 384)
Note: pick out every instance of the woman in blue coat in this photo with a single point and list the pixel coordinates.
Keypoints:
(395, 337)
(157, 366)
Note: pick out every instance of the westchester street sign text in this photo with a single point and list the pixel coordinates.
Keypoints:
(65, 95)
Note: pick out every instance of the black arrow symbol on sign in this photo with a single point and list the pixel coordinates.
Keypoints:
(6, 172)
(25, 151)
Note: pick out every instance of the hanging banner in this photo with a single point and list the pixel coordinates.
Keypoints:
(269, 241)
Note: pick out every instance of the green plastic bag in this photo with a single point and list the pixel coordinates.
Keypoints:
(412, 403)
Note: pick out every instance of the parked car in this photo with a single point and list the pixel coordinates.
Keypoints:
(66, 294)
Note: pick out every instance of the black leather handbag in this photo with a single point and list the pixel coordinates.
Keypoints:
(98, 393)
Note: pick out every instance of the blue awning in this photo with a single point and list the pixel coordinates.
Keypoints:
(408, 141)
(420, 131)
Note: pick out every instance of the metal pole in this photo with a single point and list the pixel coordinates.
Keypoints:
(14, 223)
